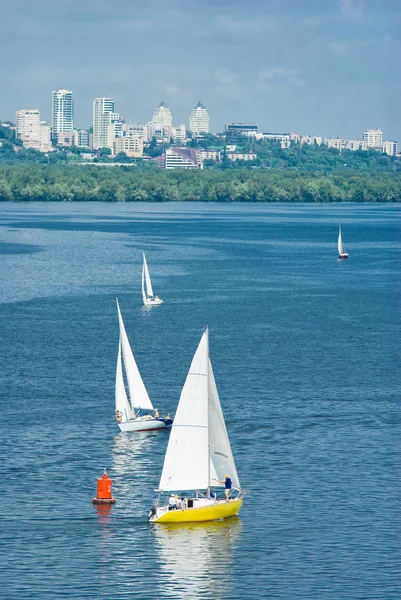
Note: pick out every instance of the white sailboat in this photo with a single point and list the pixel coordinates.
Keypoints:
(198, 455)
(134, 410)
(341, 253)
(149, 299)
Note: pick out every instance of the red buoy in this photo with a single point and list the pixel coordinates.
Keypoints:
(104, 493)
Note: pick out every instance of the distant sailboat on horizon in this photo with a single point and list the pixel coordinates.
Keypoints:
(341, 253)
(149, 299)
(134, 409)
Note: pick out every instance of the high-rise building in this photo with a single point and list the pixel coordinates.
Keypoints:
(162, 119)
(62, 112)
(33, 132)
(199, 120)
(103, 108)
(390, 148)
(27, 128)
(373, 138)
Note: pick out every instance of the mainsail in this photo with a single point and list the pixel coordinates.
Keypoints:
(147, 290)
(198, 451)
(340, 242)
(138, 396)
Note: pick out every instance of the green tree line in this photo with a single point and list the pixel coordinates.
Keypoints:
(67, 182)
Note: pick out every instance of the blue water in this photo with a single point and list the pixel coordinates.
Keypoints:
(305, 350)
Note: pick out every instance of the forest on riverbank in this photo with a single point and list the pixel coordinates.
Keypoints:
(61, 182)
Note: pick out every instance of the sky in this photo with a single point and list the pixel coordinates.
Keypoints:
(318, 67)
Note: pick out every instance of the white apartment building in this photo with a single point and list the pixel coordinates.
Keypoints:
(241, 156)
(344, 144)
(45, 132)
(33, 132)
(162, 119)
(390, 148)
(81, 138)
(311, 140)
(210, 155)
(62, 112)
(182, 158)
(28, 128)
(199, 120)
(103, 108)
(178, 133)
(373, 138)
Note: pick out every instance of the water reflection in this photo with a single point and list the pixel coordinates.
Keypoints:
(133, 472)
(196, 558)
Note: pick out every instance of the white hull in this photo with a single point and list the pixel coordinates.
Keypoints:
(148, 302)
(143, 424)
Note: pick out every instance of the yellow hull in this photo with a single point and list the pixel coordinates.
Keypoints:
(222, 510)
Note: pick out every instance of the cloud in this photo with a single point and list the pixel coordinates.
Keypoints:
(278, 73)
(351, 10)
(225, 77)
(228, 23)
(170, 89)
(339, 48)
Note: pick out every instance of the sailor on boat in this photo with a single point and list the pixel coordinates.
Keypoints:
(227, 484)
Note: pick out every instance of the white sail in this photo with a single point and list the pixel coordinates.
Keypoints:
(138, 396)
(340, 242)
(146, 277)
(186, 464)
(199, 452)
(221, 457)
(122, 404)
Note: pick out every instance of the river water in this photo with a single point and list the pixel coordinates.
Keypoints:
(305, 350)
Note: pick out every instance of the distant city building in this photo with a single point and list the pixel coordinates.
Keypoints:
(373, 138)
(33, 132)
(311, 140)
(62, 112)
(237, 129)
(137, 130)
(161, 121)
(45, 132)
(199, 120)
(178, 133)
(182, 158)
(132, 146)
(103, 108)
(66, 139)
(81, 138)
(241, 156)
(390, 148)
(210, 155)
(344, 144)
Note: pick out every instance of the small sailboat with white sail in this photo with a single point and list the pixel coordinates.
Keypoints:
(198, 460)
(149, 299)
(134, 409)
(341, 253)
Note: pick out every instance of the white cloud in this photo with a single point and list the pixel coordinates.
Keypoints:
(281, 73)
(350, 9)
(339, 48)
(170, 89)
(225, 77)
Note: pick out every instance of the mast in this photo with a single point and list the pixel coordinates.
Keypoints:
(208, 406)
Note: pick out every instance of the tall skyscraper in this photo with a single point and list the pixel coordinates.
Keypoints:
(199, 120)
(373, 138)
(103, 111)
(162, 119)
(62, 112)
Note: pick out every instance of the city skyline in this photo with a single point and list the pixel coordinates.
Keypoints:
(320, 68)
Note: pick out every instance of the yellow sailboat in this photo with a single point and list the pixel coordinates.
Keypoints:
(199, 460)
